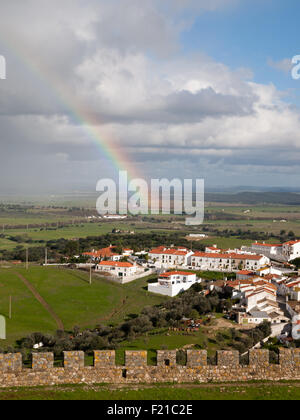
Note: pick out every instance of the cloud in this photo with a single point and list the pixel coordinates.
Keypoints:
(284, 65)
(117, 69)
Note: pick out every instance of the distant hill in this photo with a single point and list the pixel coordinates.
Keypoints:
(287, 198)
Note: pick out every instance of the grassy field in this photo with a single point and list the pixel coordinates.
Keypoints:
(75, 231)
(28, 314)
(266, 218)
(72, 299)
(255, 391)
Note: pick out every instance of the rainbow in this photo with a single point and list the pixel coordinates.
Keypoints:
(108, 146)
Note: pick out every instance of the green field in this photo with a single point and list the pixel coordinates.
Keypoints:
(267, 218)
(256, 391)
(71, 297)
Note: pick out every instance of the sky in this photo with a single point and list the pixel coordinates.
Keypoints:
(172, 88)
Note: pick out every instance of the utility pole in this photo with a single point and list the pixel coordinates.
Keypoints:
(46, 256)
(27, 258)
(10, 307)
(90, 275)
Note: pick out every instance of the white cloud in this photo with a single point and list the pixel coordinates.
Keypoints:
(285, 65)
(118, 64)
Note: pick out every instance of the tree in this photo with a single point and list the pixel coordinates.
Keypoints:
(194, 314)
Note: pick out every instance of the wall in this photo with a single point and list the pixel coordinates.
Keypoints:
(136, 370)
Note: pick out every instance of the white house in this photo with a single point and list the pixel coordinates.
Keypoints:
(269, 249)
(172, 283)
(127, 252)
(171, 257)
(287, 251)
(117, 268)
(291, 250)
(290, 288)
(227, 262)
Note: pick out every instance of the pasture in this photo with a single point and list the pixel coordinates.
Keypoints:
(71, 297)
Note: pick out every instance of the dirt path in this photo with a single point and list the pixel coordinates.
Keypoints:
(42, 301)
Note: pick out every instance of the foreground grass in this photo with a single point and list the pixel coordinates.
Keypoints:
(72, 299)
(255, 391)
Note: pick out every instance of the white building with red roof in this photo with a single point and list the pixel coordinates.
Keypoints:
(171, 257)
(290, 288)
(104, 253)
(258, 300)
(173, 282)
(291, 250)
(287, 251)
(118, 268)
(228, 262)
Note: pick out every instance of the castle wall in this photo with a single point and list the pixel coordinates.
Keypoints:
(136, 370)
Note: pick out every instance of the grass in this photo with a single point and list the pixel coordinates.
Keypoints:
(71, 298)
(28, 314)
(255, 391)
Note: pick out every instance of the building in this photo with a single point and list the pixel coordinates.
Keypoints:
(293, 308)
(269, 249)
(227, 262)
(287, 251)
(115, 217)
(291, 289)
(244, 275)
(291, 250)
(170, 257)
(127, 252)
(104, 253)
(117, 268)
(258, 301)
(172, 283)
(253, 317)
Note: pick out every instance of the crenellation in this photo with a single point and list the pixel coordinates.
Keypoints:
(228, 358)
(166, 358)
(42, 361)
(196, 358)
(73, 359)
(11, 362)
(137, 371)
(104, 358)
(135, 358)
(259, 358)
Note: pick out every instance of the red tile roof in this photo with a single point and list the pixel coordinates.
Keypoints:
(227, 256)
(267, 245)
(245, 272)
(116, 264)
(292, 242)
(102, 253)
(176, 273)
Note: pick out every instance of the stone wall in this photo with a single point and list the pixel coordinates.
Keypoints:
(136, 370)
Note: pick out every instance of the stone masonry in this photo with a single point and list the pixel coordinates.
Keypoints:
(136, 370)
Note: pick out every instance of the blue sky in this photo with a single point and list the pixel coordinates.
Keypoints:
(248, 34)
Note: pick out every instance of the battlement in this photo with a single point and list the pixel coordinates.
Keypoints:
(137, 370)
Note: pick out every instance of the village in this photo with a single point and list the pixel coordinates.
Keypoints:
(262, 281)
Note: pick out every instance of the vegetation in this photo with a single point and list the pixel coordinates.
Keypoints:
(71, 297)
(256, 391)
